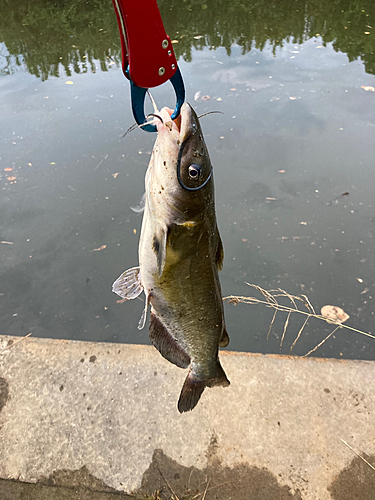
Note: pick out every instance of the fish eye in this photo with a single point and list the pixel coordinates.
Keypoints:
(194, 172)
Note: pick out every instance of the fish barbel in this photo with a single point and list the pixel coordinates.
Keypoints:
(180, 254)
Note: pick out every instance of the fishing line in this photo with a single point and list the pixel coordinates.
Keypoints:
(179, 171)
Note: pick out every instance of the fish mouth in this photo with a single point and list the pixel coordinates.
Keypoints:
(182, 142)
(182, 127)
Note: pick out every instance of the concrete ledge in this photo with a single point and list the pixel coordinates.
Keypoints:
(110, 410)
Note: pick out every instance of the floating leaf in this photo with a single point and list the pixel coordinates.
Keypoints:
(197, 95)
(334, 313)
(98, 249)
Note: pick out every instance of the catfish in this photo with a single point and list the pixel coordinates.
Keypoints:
(180, 256)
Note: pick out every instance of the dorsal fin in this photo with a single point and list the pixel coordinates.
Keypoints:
(166, 344)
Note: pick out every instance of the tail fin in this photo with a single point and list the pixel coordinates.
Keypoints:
(194, 386)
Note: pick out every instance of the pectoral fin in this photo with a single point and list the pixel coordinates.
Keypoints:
(159, 245)
(128, 285)
(166, 344)
(219, 260)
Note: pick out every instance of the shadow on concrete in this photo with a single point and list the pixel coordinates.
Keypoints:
(165, 479)
(170, 480)
(355, 482)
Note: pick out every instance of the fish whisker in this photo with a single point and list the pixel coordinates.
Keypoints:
(135, 125)
(155, 116)
(210, 113)
(153, 102)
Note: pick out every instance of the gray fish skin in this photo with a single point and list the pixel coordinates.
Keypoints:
(180, 254)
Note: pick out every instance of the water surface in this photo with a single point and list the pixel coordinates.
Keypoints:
(296, 133)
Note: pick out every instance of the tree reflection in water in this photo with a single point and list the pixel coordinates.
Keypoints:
(45, 36)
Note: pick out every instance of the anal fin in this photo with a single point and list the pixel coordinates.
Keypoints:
(128, 285)
(166, 344)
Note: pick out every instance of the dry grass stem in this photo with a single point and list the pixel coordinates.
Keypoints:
(272, 322)
(169, 486)
(285, 327)
(358, 455)
(16, 342)
(290, 297)
(299, 334)
(320, 343)
(205, 491)
(212, 488)
(307, 303)
(191, 472)
(272, 301)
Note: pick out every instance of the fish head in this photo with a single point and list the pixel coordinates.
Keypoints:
(181, 174)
